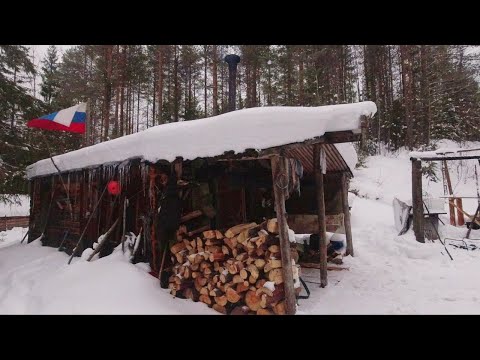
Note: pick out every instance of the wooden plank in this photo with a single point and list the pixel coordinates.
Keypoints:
(346, 216)
(322, 229)
(278, 177)
(417, 201)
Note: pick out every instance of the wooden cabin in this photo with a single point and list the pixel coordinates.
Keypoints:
(240, 167)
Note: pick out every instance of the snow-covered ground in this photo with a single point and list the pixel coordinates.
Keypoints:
(22, 208)
(389, 274)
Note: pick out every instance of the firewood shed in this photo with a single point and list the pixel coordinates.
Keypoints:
(229, 168)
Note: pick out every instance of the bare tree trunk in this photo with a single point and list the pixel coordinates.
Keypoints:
(122, 93)
(205, 50)
(407, 92)
(177, 90)
(108, 52)
(215, 80)
(301, 93)
(160, 83)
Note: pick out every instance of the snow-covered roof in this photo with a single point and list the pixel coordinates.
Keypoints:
(445, 151)
(254, 128)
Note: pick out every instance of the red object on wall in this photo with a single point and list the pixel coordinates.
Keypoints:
(113, 187)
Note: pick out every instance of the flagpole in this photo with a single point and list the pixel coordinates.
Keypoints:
(59, 174)
(87, 123)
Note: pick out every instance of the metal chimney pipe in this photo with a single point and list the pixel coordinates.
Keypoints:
(232, 60)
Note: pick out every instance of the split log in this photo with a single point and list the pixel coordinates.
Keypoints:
(199, 230)
(252, 300)
(237, 279)
(231, 242)
(259, 263)
(260, 283)
(272, 264)
(253, 271)
(204, 291)
(244, 274)
(225, 250)
(242, 287)
(264, 290)
(237, 229)
(243, 237)
(218, 235)
(232, 269)
(240, 310)
(213, 241)
(241, 257)
(264, 312)
(213, 249)
(209, 234)
(276, 276)
(220, 309)
(225, 278)
(280, 309)
(272, 226)
(260, 240)
(177, 247)
(180, 257)
(232, 295)
(205, 299)
(263, 301)
(221, 300)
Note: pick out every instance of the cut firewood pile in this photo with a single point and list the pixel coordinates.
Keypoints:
(238, 272)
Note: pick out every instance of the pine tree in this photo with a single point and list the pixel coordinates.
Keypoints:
(50, 85)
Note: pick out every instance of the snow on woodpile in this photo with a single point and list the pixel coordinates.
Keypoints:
(255, 128)
(13, 208)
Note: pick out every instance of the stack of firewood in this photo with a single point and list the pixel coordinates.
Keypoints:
(239, 272)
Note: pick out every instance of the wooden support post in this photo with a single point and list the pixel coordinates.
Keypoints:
(346, 215)
(451, 201)
(279, 182)
(178, 167)
(460, 218)
(417, 200)
(322, 227)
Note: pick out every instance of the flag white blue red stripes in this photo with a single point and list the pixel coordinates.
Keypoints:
(72, 119)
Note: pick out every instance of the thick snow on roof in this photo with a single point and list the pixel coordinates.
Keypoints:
(446, 151)
(254, 128)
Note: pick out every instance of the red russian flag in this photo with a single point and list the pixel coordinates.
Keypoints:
(71, 120)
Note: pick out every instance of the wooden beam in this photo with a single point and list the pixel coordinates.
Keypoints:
(279, 180)
(327, 138)
(346, 215)
(417, 201)
(322, 227)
